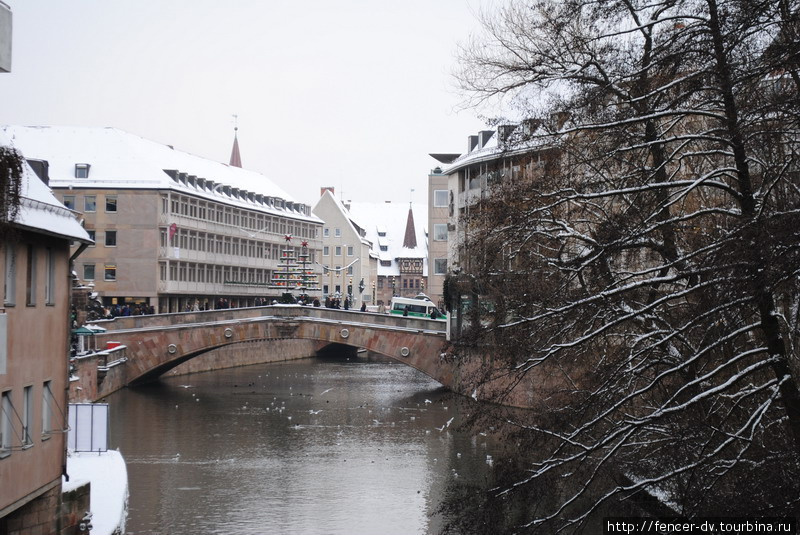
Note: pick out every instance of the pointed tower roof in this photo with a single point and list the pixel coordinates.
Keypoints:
(410, 239)
(236, 158)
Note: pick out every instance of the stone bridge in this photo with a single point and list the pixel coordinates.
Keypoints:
(155, 344)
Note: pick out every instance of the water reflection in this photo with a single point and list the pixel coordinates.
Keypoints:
(306, 447)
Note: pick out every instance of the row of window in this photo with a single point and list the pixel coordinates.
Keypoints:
(31, 267)
(109, 272)
(326, 250)
(214, 243)
(212, 273)
(227, 215)
(16, 421)
(90, 203)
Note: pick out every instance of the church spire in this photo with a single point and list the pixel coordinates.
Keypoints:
(236, 158)
(410, 239)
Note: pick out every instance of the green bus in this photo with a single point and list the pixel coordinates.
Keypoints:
(420, 308)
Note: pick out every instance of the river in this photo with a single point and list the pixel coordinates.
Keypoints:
(316, 446)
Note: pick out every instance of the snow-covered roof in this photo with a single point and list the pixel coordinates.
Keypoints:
(121, 160)
(508, 140)
(391, 218)
(39, 209)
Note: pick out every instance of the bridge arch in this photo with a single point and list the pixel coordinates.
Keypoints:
(152, 350)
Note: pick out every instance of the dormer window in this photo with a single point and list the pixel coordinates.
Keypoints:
(82, 170)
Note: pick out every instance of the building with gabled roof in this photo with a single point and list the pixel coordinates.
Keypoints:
(35, 260)
(400, 243)
(349, 264)
(173, 231)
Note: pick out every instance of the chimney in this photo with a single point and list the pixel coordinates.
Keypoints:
(472, 142)
(483, 137)
(323, 189)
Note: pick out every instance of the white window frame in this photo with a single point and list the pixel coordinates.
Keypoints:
(27, 416)
(437, 232)
(6, 426)
(30, 277)
(47, 409)
(10, 290)
(50, 277)
(436, 198)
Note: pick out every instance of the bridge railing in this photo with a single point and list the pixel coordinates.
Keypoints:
(281, 311)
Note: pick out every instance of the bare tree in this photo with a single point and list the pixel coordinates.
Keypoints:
(652, 263)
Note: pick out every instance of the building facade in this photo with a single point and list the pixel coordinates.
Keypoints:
(439, 203)
(35, 262)
(349, 267)
(400, 246)
(173, 232)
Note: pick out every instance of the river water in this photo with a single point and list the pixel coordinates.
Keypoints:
(317, 446)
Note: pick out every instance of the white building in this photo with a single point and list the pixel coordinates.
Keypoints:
(400, 242)
(349, 266)
(173, 231)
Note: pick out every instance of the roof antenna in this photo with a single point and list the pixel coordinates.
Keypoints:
(411, 198)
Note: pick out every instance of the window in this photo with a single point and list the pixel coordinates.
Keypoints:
(27, 416)
(88, 272)
(90, 203)
(349, 250)
(69, 201)
(50, 277)
(82, 170)
(337, 232)
(384, 247)
(440, 232)
(111, 203)
(30, 277)
(338, 250)
(439, 266)
(47, 409)
(111, 238)
(440, 198)
(91, 236)
(10, 285)
(350, 270)
(6, 411)
(326, 232)
(326, 250)
(110, 272)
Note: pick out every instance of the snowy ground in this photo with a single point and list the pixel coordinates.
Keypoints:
(109, 491)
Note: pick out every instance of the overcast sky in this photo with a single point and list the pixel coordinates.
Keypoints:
(352, 94)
